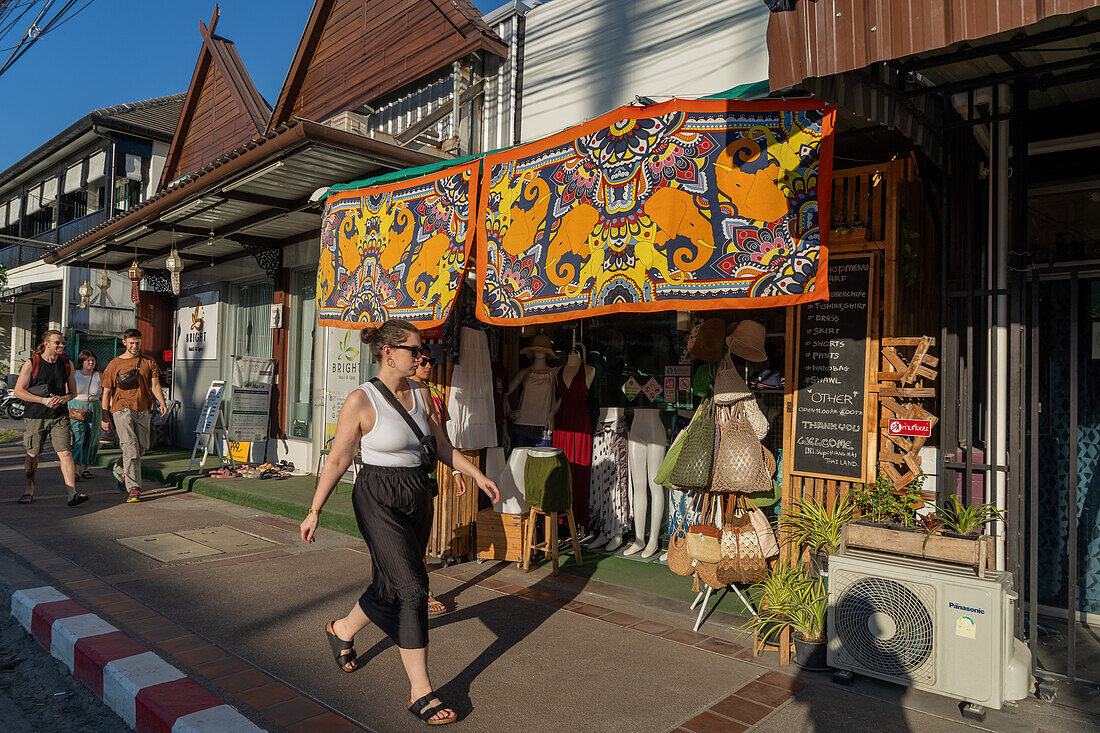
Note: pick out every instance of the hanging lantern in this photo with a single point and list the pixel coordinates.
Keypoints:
(135, 274)
(103, 282)
(174, 263)
(86, 292)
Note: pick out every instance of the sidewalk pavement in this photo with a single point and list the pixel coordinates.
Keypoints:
(520, 652)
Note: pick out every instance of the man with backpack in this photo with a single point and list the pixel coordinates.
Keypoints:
(130, 384)
(46, 385)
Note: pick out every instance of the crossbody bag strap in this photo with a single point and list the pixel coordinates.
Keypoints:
(385, 391)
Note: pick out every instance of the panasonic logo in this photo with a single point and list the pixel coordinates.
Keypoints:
(968, 609)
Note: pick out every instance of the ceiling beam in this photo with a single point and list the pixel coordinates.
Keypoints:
(255, 198)
(1017, 43)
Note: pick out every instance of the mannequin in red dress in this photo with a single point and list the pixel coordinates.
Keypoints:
(573, 427)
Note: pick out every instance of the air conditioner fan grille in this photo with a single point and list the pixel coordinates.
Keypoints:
(883, 626)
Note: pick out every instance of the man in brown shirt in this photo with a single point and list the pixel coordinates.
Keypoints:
(130, 384)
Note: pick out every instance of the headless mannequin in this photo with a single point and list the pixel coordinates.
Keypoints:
(537, 365)
(573, 364)
(646, 441)
(612, 541)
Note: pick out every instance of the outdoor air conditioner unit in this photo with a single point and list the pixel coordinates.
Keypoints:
(928, 625)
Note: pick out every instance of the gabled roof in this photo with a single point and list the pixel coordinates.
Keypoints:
(208, 126)
(355, 51)
(151, 118)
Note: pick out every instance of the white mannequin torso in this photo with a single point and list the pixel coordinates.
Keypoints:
(573, 365)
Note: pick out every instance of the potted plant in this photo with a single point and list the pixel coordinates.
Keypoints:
(818, 526)
(880, 503)
(967, 521)
(806, 609)
(770, 596)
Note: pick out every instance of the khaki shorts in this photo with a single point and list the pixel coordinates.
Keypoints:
(36, 429)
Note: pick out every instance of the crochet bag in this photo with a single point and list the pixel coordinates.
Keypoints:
(669, 462)
(743, 559)
(741, 463)
(693, 465)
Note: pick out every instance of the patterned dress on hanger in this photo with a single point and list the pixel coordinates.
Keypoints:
(609, 491)
(573, 434)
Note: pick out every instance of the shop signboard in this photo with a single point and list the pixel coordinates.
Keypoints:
(250, 403)
(342, 351)
(831, 412)
(209, 412)
(631, 388)
(197, 327)
(909, 428)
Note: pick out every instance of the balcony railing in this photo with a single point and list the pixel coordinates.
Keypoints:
(72, 229)
(14, 255)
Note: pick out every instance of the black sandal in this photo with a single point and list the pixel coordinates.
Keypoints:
(421, 710)
(342, 651)
(87, 474)
(78, 499)
(26, 498)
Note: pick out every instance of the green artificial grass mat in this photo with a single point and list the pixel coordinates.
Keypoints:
(288, 497)
(292, 496)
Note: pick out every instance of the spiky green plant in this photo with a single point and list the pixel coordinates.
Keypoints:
(807, 608)
(818, 525)
(770, 595)
(962, 519)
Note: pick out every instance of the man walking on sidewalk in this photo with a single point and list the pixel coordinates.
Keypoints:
(46, 385)
(130, 383)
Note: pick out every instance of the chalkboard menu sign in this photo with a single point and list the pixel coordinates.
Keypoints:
(830, 407)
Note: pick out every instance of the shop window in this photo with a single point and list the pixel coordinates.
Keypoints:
(303, 335)
(253, 335)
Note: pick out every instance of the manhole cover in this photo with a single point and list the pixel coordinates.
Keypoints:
(168, 547)
(227, 539)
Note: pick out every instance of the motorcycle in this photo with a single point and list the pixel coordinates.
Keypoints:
(11, 406)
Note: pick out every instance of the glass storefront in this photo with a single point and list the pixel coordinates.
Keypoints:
(303, 335)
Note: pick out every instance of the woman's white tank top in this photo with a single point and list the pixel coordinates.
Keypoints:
(391, 441)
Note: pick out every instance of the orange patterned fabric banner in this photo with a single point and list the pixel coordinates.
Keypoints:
(689, 205)
(396, 251)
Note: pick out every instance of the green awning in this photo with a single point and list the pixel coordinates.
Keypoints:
(743, 91)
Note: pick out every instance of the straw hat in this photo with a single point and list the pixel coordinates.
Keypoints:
(541, 343)
(747, 341)
(707, 345)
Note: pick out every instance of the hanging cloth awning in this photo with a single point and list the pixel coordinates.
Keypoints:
(396, 251)
(683, 205)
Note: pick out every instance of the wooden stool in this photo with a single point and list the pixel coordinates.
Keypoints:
(550, 545)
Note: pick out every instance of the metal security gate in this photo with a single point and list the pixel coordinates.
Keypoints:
(1063, 493)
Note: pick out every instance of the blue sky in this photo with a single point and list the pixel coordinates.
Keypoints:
(120, 51)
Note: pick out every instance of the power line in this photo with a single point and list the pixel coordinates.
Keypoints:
(44, 22)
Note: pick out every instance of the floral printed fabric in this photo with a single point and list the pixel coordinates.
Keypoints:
(685, 204)
(396, 251)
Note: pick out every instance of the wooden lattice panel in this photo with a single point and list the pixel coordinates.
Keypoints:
(904, 386)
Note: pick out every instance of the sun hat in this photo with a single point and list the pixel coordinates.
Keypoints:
(707, 345)
(541, 343)
(747, 341)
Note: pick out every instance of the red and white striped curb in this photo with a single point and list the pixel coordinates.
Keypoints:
(144, 690)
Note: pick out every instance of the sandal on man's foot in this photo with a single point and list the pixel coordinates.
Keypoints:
(424, 710)
(342, 651)
(78, 499)
(26, 498)
(435, 606)
(86, 474)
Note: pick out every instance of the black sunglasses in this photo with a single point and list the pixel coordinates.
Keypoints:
(427, 361)
(414, 350)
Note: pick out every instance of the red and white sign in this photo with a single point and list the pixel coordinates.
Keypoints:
(913, 428)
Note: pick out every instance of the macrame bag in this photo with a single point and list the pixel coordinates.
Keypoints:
(679, 562)
(693, 465)
(741, 463)
(743, 559)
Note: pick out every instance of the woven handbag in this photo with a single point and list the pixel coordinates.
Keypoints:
(739, 461)
(708, 573)
(669, 462)
(679, 562)
(704, 543)
(743, 559)
(693, 465)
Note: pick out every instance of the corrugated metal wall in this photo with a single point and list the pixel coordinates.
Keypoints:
(832, 36)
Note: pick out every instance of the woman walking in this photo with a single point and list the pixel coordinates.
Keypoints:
(439, 414)
(84, 414)
(393, 506)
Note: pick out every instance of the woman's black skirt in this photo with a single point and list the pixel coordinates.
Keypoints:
(393, 508)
